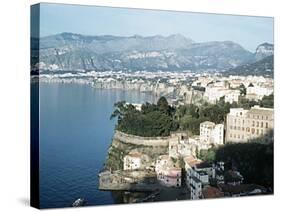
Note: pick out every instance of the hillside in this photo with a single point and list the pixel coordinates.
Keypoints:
(263, 67)
(69, 52)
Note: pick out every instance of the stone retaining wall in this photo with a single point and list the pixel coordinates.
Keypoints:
(146, 141)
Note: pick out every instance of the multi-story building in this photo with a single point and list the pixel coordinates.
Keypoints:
(244, 125)
(232, 96)
(258, 91)
(211, 133)
(196, 178)
(179, 146)
(167, 172)
(195, 188)
(132, 161)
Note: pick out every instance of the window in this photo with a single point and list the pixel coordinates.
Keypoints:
(257, 131)
(253, 124)
(230, 135)
(257, 124)
(253, 130)
(266, 125)
(261, 124)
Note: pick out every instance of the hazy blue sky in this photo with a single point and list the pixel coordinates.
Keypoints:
(245, 30)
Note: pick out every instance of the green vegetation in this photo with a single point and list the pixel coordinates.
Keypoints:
(253, 160)
(160, 119)
(267, 101)
(190, 116)
(152, 120)
(208, 155)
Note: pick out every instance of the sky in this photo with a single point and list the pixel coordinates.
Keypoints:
(248, 31)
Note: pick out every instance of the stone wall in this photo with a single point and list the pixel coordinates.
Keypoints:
(145, 141)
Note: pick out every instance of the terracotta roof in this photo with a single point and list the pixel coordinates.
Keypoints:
(211, 192)
(192, 161)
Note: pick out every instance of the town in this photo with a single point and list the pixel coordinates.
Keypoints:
(182, 167)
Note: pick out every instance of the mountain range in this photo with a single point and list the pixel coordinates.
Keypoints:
(69, 51)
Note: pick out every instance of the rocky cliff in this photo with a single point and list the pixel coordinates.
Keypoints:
(122, 144)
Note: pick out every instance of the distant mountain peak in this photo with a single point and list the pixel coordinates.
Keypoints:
(264, 50)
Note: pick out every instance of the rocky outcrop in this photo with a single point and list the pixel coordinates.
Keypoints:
(123, 143)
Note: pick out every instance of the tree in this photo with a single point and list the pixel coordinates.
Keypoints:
(242, 89)
(152, 120)
(163, 105)
(267, 101)
(253, 160)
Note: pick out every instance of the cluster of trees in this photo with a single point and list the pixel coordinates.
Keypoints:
(161, 118)
(151, 120)
(254, 161)
(190, 116)
(207, 155)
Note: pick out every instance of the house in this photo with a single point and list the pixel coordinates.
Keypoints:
(258, 90)
(168, 173)
(195, 188)
(132, 161)
(196, 178)
(206, 167)
(216, 90)
(211, 133)
(190, 162)
(179, 145)
(232, 96)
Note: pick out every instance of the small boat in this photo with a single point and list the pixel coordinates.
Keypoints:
(79, 202)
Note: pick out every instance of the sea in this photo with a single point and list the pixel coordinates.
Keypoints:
(75, 134)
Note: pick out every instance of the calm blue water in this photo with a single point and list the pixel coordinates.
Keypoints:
(75, 133)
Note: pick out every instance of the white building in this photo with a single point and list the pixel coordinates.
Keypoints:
(168, 173)
(132, 161)
(232, 96)
(195, 188)
(258, 91)
(196, 178)
(243, 125)
(211, 133)
(215, 91)
(179, 145)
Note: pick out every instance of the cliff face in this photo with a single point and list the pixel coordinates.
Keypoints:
(122, 144)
